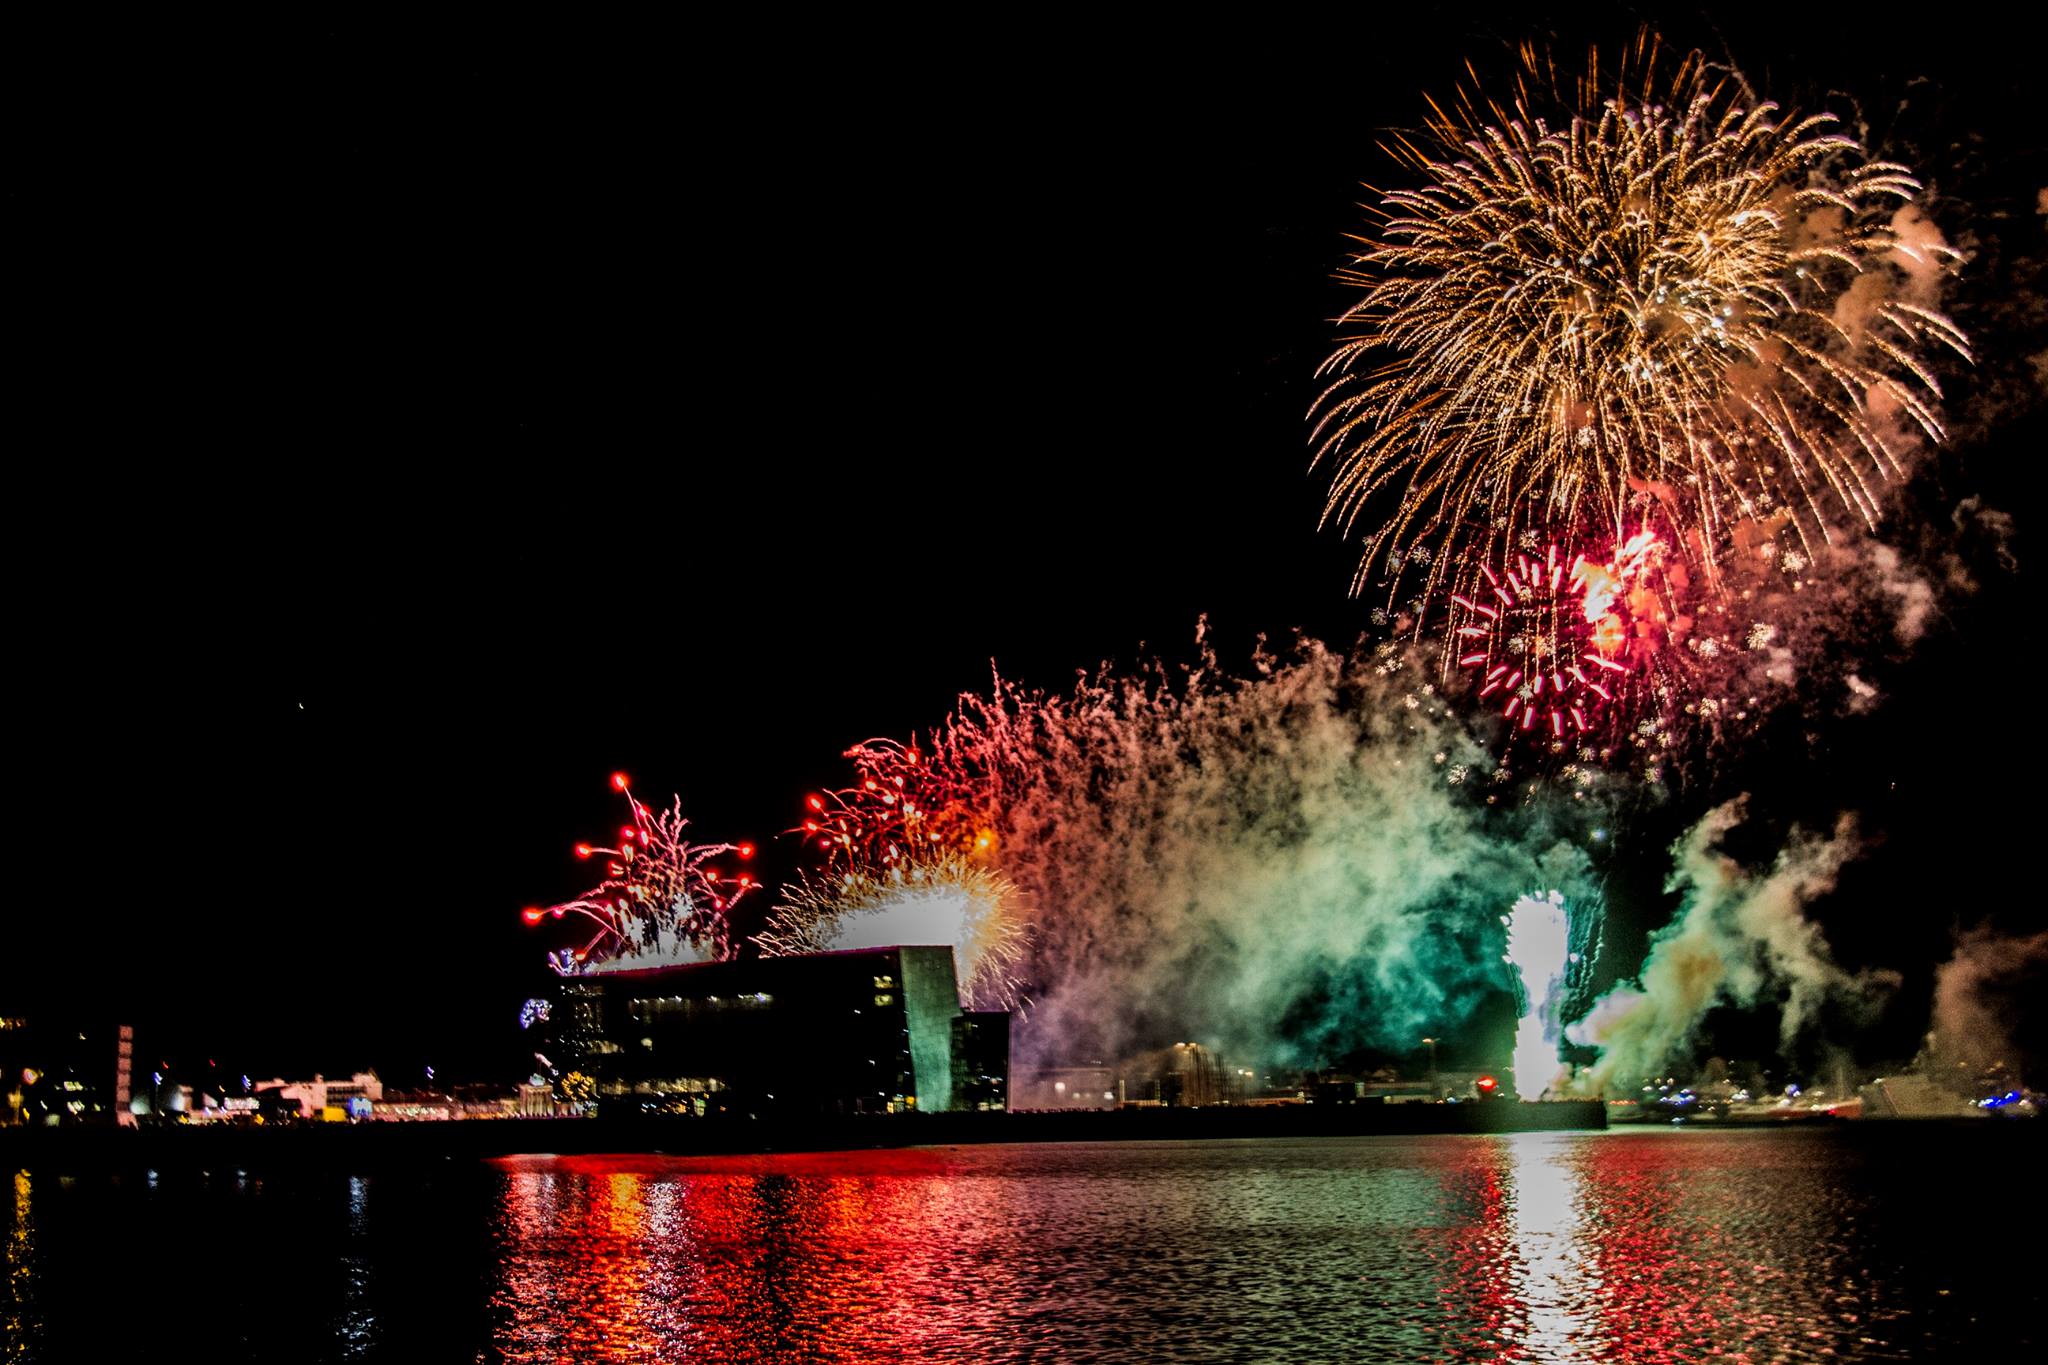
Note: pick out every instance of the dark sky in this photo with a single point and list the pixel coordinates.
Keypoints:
(423, 425)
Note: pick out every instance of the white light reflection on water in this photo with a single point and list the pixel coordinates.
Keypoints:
(357, 1330)
(1553, 1277)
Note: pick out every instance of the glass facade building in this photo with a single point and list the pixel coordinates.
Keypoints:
(875, 1030)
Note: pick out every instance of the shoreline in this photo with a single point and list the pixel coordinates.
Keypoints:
(372, 1146)
(374, 1143)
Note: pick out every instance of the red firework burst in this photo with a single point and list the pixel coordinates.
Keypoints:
(1551, 636)
(901, 806)
(660, 895)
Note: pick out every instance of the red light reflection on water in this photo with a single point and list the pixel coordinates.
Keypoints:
(813, 1257)
(1535, 1247)
(1675, 1288)
(1475, 1296)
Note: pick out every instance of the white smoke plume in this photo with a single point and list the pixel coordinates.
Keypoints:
(1737, 936)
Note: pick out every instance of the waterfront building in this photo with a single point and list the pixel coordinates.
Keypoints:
(320, 1098)
(57, 1071)
(872, 1030)
(1186, 1075)
(981, 1060)
(416, 1106)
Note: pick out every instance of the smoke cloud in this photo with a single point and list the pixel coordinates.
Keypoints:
(1974, 992)
(1738, 934)
(1291, 865)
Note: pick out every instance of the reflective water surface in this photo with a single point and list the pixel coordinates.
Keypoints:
(1624, 1246)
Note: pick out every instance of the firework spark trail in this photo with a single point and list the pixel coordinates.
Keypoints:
(1650, 296)
(661, 900)
(1539, 949)
(938, 899)
(1285, 864)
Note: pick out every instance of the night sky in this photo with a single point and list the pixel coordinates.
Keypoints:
(423, 426)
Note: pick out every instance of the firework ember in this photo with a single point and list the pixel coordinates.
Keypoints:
(942, 899)
(1653, 292)
(661, 901)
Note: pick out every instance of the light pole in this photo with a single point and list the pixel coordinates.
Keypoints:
(1435, 1091)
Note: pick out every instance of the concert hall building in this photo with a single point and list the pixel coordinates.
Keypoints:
(873, 1030)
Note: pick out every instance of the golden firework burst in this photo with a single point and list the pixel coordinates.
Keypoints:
(1607, 303)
